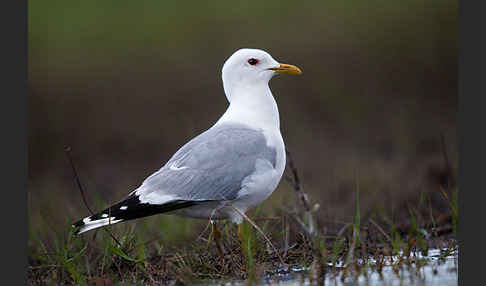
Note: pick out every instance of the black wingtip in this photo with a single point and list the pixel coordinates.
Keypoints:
(76, 227)
(132, 208)
(78, 224)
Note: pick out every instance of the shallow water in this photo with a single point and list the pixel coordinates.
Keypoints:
(436, 271)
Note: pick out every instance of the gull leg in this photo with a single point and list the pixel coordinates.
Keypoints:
(217, 240)
(240, 233)
(245, 245)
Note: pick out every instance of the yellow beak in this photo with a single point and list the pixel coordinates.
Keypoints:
(288, 69)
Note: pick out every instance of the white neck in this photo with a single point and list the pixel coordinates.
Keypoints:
(253, 106)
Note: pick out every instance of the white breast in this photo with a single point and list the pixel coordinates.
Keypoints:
(261, 184)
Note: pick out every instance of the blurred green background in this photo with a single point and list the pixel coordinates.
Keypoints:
(126, 83)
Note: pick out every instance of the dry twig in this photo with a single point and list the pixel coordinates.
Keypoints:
(81, 190)
(380, 229)
(302, 196)
(260, 231)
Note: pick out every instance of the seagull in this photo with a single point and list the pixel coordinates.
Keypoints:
(226, 170)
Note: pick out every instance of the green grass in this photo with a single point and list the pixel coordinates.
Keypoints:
(455, 211)
(171, 248)
(66, 258)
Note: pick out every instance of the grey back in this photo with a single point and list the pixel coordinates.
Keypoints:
(213, 165)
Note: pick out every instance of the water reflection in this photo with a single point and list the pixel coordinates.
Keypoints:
(432, 269)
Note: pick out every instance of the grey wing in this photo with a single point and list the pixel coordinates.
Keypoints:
(211, 166)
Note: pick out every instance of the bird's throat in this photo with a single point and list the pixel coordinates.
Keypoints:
(256, 108)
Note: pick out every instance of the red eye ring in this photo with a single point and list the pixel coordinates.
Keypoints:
(253, 61)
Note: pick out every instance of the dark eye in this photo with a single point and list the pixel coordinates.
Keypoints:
(253, 61)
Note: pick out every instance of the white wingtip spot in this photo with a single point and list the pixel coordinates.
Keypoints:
(123, 208)
(104, 215)
(97, 223)
(86, 220)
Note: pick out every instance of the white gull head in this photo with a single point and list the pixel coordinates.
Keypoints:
(245, 75)
(251, 69)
